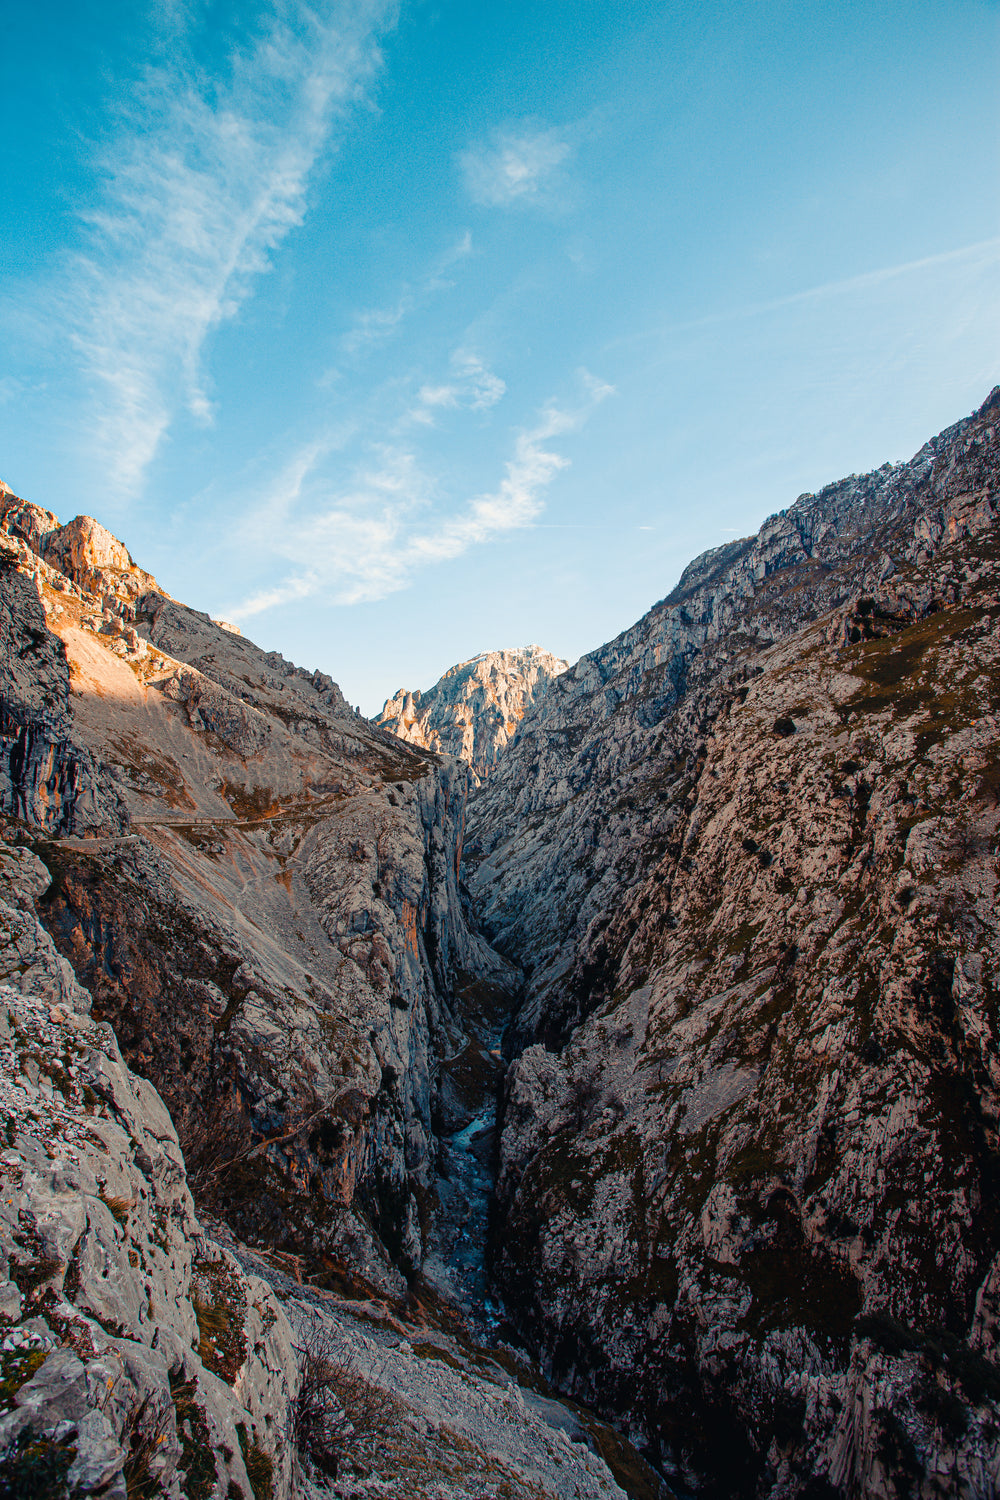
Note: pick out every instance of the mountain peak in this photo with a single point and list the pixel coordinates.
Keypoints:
(474, 709)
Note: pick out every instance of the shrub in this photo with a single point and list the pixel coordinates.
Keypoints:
(318, 1419)
(34, 1468)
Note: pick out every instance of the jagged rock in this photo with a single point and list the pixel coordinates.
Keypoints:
(45, 777)
(474, 710)
(746, 853)
(416, 1411)
(99, 1352)
(269, 914)
(97, 562)
(140, 1356)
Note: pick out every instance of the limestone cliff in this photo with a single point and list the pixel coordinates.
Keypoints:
(141, 1356)
(112, 1382)
(747, 853)
(474, 710)
(265, 901)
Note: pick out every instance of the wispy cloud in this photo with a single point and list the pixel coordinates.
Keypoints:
(517, 166)
(983, 253)
(372, 538)
(200, 184)
(471, 386)
(374, 325)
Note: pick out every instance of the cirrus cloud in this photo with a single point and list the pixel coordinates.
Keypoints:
(369, 540)
(199, 184)
(517, 166)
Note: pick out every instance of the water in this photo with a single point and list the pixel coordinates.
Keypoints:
(467, 1134)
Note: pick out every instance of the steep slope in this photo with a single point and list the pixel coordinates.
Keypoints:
(140, 1356)
(107, 1381)
(747, 854)
(474, 710)
(265, 903)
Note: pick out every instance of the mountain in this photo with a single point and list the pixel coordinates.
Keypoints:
(208, 858)
(143, 1354)
(718, 931)
(746, 855)
(258, 888)
(473, 711)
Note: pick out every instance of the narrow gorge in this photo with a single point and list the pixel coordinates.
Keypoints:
(635, 1017)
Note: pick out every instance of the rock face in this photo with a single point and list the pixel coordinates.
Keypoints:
(745, 859)
(265, 905)
(474, 710)
(140, 1356)
(109, 1285)
(747, 855)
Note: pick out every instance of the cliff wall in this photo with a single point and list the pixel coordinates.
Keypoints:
(747, 854)
(259, 887)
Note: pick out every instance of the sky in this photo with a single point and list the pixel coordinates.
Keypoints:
(397, 332)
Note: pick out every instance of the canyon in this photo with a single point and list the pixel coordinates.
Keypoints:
(635, 1017)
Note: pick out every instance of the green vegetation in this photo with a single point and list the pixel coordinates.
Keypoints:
(35, 1468)
(197, 1461)
(16, 1369)
(219, 1303)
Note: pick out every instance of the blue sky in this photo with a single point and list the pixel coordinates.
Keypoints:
(401, 332)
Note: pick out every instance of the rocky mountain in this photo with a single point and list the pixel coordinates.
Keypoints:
(209, 859)
(718, 927)
(259, 889)
(141, 1355)
(747, 856)
(474, 710)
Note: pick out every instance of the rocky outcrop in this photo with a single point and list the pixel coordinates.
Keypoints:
(474, 710)
(266, 902)
(136, 1355)
(46, 777)
(140, 1355)
(746, 853)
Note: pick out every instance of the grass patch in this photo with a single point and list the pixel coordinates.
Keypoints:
(219, 1302)
(259, 1464)
(16, 1369)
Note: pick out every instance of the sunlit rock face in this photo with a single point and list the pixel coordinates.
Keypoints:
(474, 710)
(746, 853)
(259, 888)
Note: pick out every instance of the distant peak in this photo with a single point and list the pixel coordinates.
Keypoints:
(474, 709)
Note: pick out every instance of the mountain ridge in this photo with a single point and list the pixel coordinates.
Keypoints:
(744, 853)
(731, 879)
(474, 709)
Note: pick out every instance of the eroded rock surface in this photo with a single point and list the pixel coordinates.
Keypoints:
(140, 1355)
(265, 904)
(747, 853)
(474, 710)
(108, 1378)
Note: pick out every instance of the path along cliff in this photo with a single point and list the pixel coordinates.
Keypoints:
(259, 889)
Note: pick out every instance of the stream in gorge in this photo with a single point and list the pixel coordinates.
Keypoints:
(470, 1081)
(457, 1263)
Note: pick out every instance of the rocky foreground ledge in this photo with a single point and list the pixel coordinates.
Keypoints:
(140, 1356)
